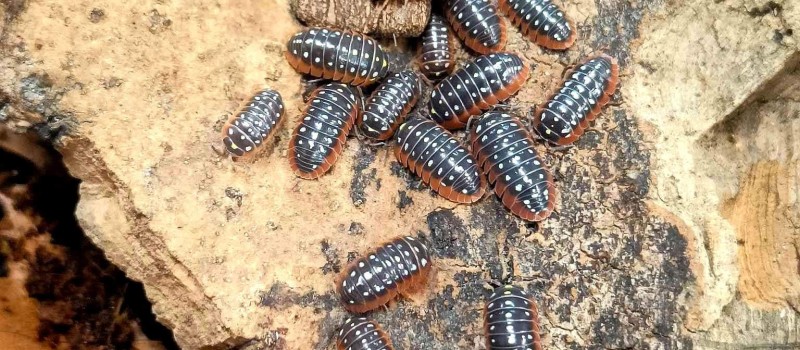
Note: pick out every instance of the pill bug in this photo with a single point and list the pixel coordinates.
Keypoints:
(478, 24)
(436, 57)
(348, 57)
(397, 267)
(246, 131)
(389, 105)
(505, 151)
(362, 333)
(541, 21)
(432, 153)
(578, 101)
(479, 85)
(318, 140)
(511, 320)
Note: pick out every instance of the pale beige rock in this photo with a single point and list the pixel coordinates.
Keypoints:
(687, 91)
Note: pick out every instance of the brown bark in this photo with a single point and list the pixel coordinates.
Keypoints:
(403, 18)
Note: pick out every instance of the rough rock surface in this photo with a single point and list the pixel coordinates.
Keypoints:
(404, 18)
(676, 218)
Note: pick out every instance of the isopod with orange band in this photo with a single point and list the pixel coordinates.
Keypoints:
(541, 21)
(432, 153)
(587, 88)
(476, 87)
(478, 24)
(397, 267)
(247, 131)
(362, 333)
(505, 150)
(318, 140)
(348, 57)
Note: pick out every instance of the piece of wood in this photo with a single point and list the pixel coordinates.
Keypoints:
(384, 18)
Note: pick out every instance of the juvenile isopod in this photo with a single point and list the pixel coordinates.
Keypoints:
(578, 101)
(247, 131)
(436, 58)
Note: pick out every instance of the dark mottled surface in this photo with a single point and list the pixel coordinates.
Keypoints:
(332, 263)
(403, 200)
(605, 272)
(363, 175)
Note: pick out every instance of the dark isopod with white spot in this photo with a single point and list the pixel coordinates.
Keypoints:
(479, 85)
(578, 101)
(348, 57)
(436, 57)
(478, 24)
(389, 105)
(541, 21)
(505, 151)
(247, 130)
(396, 267)
(511, 320)
(319, 138)
(362, 333)
(432, 153)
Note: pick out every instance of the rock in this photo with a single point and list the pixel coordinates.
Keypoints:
(404, 18)
(661, 222)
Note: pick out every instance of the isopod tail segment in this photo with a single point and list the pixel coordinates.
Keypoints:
(397, 267)
(505, 151)
(578, 101)
(511, 320)
(542, 22)
(248, 131)
(478, 86)
(318, 140)
(435, 155)
(362, 333)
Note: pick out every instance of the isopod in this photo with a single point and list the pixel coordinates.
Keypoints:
(578, 101)
(436, 59)
(479, 85)
(319, 138)
(389, 105)
(432, 153)
(478, 24)
(348, 57)
(396, 267)
(505, 151)
(248, 130)
(541, 21)
(511, 320)
(362, 333)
